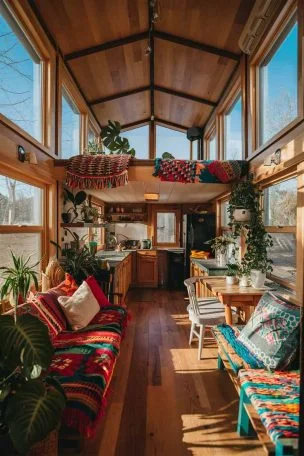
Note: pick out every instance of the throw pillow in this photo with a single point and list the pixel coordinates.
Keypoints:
(272, 333)
(65, 288)
(80, 308)
(97, 291)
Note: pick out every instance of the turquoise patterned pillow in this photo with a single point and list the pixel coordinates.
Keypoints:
(272, 333)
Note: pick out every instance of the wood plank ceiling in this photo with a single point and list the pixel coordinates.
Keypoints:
(195, 53)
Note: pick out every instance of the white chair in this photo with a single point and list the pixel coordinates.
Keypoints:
(202, 312)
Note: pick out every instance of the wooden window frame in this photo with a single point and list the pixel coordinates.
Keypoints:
(66, 83)
(177, 213)
(139, 125)
(211, 133)
(282, 229)
(27, 22)
(171, 127)
(93, 126)
(271, 41)
(45, 228)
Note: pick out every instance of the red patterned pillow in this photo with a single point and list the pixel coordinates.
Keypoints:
(65, 288)
(225, 171)
(97, 291)
(34, 308)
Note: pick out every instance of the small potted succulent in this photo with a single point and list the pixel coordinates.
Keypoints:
(231, 274)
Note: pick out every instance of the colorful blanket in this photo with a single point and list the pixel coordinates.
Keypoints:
(205, 171)
(84, 362)
(275, 396)
(97, 171)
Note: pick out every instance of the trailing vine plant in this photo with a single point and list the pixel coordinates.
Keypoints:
(247, 195)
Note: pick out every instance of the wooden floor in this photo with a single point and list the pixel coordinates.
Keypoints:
(164, 401)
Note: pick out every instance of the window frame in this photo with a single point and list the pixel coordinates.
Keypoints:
(36, 38)
(211, 133)
(91, 125)
(169, 127)
(234, 96)
(177, 214)
(266, 49)
(150, 135)
(282, 229)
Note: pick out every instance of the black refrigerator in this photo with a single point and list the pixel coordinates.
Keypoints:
(197, 230)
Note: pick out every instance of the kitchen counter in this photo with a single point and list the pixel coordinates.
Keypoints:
(114, 258)
(210, 267)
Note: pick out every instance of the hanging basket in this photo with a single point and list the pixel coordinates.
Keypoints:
(47, 447)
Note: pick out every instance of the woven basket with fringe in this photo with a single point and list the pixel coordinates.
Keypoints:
(47, 447)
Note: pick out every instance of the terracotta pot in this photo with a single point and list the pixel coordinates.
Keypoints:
(241, 215)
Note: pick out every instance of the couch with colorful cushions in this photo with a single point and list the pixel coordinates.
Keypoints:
(262, 360)
(84, 359)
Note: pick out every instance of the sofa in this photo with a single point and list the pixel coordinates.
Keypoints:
(84, 359)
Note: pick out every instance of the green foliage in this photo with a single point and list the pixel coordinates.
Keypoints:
(167, 156)
(247, 195)
(76, 200)
(32, 413)
(80, 264)
(232, 269)
(18, 278)
(113, 141)
(221, 243)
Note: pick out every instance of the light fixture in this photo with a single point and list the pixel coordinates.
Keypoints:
(151, 196)
(154, 17)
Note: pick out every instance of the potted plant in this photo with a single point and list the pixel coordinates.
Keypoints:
(243, 200)
(244, 273)
(90, 214)
(30, 403)
(76, 200)
(220, 245)
(18, 279)
(81, 264)
(231, 274)
(77, 243)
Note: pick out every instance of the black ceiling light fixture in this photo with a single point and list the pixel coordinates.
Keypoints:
(196, 134)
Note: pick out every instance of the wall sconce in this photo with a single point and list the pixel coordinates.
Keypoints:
(151, 196)
(29, 157)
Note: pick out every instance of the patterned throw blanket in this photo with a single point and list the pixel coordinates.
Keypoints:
(205, 171)
(97, 171)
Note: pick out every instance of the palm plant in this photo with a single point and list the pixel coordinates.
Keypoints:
(80, 264)
(18, 279)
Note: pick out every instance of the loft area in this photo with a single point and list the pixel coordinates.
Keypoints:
(151, 227)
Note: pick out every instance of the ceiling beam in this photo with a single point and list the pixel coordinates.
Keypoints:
(152, 57)
(135, 124)
(106, 46)
(115, 96)
(196, 45)
(185, 95)
(170, 124)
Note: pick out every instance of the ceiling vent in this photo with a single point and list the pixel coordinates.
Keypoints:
(257, 23)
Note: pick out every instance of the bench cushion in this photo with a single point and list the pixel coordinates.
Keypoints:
(272, 333)
(275, 397)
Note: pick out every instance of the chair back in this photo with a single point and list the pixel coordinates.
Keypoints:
(191, 289)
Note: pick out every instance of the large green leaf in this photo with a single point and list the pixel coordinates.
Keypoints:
(110, 133)
(32, 413)
(80, 197)
(121, 145)
(28, 339)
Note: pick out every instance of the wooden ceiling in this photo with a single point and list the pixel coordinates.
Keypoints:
(103, 42)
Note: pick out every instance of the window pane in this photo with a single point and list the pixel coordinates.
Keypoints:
(20, 78)
(225, 214)
(139, 140)
(91, 135)
(70, 134)
(166, 227)
(278, 81)
(280, 204)
(20, 203)
(172, 141)
(283, 255)
(233, 132)
(212, 148)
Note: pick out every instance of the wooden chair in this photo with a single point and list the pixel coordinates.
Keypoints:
(202, 312)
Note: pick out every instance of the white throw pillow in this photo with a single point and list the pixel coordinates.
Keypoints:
(80, 308)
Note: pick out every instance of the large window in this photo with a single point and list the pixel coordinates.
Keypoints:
(20, 77)
(173, 141)
(280, 213)
(70, 127)
(139, 140)
(21, 220)
(212, 147)
(233, 143)
(166, 227)
(278, 81)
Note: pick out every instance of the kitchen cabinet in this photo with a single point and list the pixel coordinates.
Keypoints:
(147, 268)
(123, 278)
(205, 268)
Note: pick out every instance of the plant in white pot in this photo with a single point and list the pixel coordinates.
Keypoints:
(242, 201)
(231, 274)
(220, 245)
(244, 273)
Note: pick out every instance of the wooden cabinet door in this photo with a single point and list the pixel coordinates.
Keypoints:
(147, 270)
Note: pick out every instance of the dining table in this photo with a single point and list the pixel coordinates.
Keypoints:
(243, 298)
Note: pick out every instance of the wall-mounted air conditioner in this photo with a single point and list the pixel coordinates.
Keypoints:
(258, 21)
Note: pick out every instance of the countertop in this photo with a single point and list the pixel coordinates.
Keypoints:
(115, 258)
(208, 265)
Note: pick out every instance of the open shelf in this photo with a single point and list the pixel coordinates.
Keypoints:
(83, 225)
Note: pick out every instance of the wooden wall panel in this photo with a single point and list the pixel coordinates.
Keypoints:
(78, 24)
(218, 23)
(115, 70)
(180, 111)
(190, 70)
(127, 109)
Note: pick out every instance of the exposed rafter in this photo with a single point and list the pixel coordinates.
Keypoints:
(196, 45)
(115, 96)
(170, 124)
(135, 124)
(185, 95)
(152, 58)
(105, 46)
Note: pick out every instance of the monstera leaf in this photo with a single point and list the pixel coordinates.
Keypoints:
(167, 156)
(110, 133)
(122, 145)
(25, 341)
(33, 412)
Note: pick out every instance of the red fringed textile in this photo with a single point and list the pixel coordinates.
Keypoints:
(97, 171)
